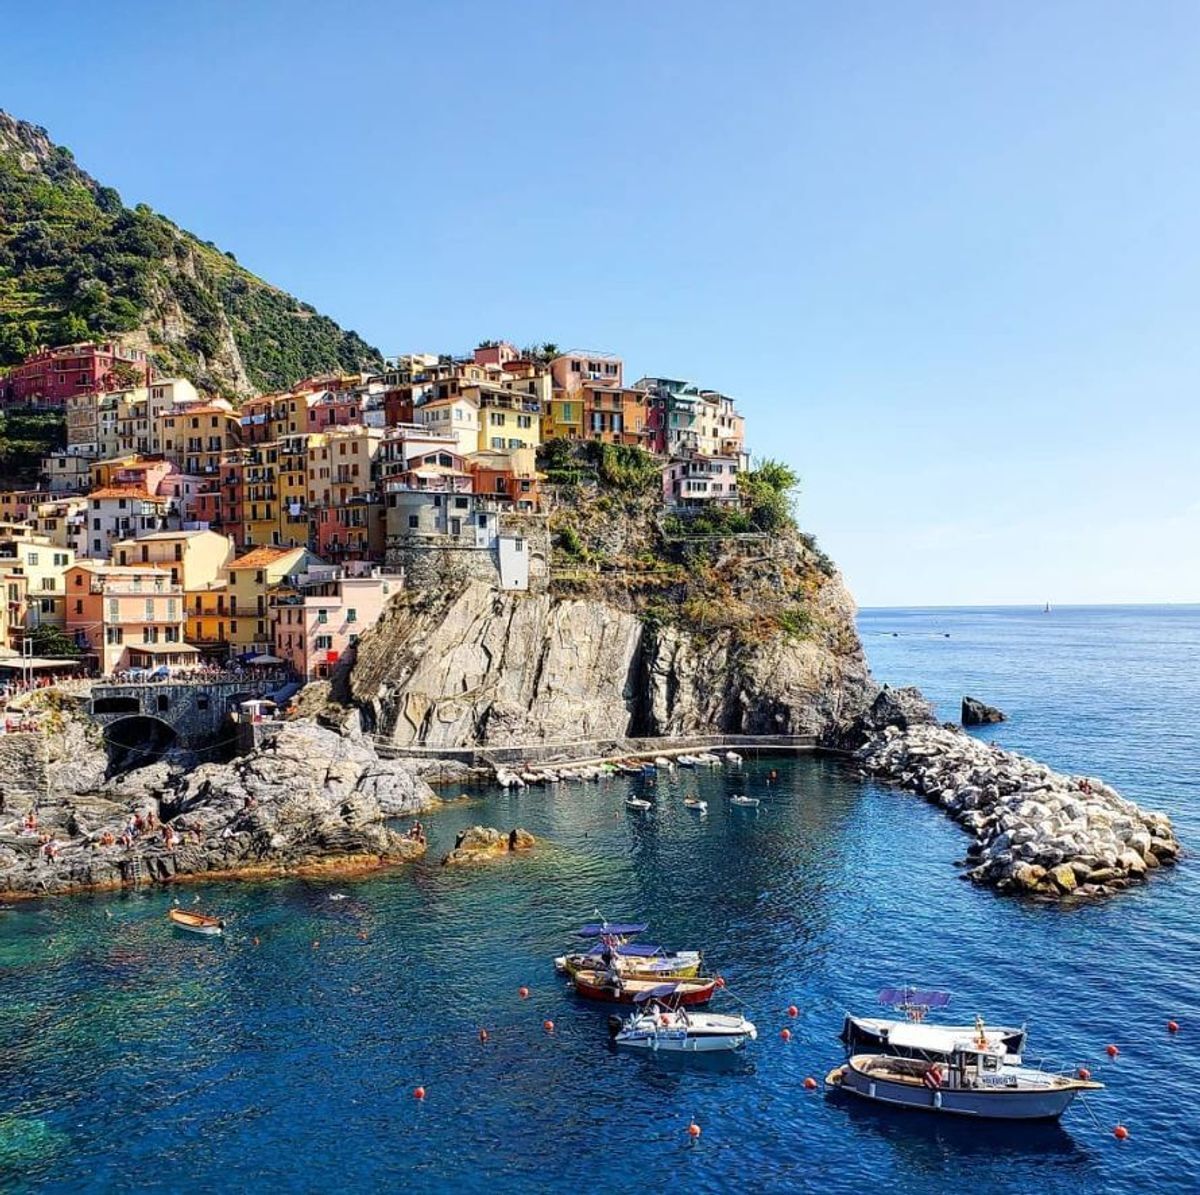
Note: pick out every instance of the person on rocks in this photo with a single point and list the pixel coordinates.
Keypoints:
(50, 849)
(151, 820)
(31, 822)
(458, 839)
(512, 839)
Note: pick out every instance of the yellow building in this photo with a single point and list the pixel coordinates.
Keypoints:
(251, 580)
(208, 619)
(291, 474)
(341, 464)
(564, 416)
(43, 565)
(195, 559)
(508, 420)
(195, 437)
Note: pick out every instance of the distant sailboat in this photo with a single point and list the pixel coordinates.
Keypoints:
(1047, 609)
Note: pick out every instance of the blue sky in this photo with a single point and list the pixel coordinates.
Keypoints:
(945, 254)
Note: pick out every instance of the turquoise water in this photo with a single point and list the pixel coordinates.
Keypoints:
(132, 1058)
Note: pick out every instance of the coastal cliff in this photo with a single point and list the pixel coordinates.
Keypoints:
(483, 667)
(308, 801)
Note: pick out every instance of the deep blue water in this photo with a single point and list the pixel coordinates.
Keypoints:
(131, 1058)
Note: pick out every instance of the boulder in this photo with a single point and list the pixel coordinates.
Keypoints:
(482, 843)
(976, 713)
(1064, 876)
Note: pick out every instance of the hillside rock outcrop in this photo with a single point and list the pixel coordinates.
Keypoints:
(487, 667)
(976, 713)
(310, 800)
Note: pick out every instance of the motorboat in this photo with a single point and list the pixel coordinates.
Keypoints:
(533, 778)
(661, 761)
(708, 759)
(634, 960)
(743, 800)
(686, 761)
(733, 757)
(912, 1035)
(637, 804)
(614, 988)
(695, 804)
(196, 923)
(507, 779)
(968, 1079)
(661, 1027)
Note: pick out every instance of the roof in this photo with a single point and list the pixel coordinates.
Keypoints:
(125, 492)
(121, 570)
(260, 557)
(169, 535)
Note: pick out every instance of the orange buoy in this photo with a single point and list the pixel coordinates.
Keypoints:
(523, 993)
(664, 1018)
(1111, 1051)
(418, 1093)
(693, 1130)
(793, 1011)
(1084, 1073)
(253, 941)
(1172, 1026)
(810, 1084)
(362, 935)
(548, 1026)
(786, 1034)
(483, 1035)
(1121, 1132)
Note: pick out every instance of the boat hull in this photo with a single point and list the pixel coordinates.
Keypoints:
(591, 986)
(190, 923)
(719, 1035)
(985, 1103)
(685, 968)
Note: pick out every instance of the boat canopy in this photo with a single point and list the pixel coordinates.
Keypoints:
(927, 999)
(594, 929)
(630, 950)
(660, 991)
(934, 1039)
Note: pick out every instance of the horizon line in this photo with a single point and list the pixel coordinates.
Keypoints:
(1030, 606)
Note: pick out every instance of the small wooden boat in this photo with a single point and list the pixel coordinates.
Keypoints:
(743, 800)
(662, 1027)
(616, 989)
(967, 1080)
(637, 804)
(695, 804)
(196, 923)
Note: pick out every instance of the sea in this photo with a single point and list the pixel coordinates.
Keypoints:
(285, 1056)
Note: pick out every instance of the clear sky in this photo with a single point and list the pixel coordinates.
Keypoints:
(945, 254)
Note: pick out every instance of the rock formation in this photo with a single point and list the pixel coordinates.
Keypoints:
(480, 844)
(308, 800)
(1035, 830)
(976, 713)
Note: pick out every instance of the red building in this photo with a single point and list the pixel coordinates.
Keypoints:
(50, 376)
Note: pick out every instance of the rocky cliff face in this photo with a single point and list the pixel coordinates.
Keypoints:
(310, 800)
(493, 668)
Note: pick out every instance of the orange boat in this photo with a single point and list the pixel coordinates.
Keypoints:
(196, 923)
(615, 989)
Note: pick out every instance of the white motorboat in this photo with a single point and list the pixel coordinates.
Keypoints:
(968, 1079)
(686, 761)
(660, 1029)
(743, 800)
(661, 761)
(533, 777)
(708, 759)
(637, 804)
(507, 779)
(733, 757)
(695, 805)
(913, 1035)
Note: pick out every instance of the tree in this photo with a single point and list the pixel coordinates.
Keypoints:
(50, 643)
(769, 492)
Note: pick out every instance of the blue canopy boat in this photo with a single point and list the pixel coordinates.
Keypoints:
(890, 1035)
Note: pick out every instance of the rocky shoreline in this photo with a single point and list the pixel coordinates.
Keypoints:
(1035, 830)
(308, 802)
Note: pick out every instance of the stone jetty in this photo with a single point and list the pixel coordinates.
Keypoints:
(1035, 830)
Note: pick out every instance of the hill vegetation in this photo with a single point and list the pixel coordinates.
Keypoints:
(76, 263)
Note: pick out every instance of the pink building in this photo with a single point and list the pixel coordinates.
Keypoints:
(581, 367)
(318, 616)
(498, 352)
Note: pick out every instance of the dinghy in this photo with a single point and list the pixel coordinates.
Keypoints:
(196, 923)
(743, 800)
(733, 757)
(637, 804)
(695, 804)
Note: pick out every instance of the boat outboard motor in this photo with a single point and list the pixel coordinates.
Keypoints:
(614, 1025)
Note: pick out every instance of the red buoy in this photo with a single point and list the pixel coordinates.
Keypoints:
(693, 1130)
(1111, 1051)
(1121, 1132)
(418, 1093)
(483, 1035)
(810, 1084)
(254, 941)
(719, 982)
(1084, 1073)
(548, 1026)
(793, 1011)
(786, 1034)
(1172, 1026)
(523, 993)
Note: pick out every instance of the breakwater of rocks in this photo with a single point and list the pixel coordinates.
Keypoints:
(1035, 830)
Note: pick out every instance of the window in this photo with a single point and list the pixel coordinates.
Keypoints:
(33, 558)
(524, 421)
(79, 606)
(322, 616)
(323, 642)
(413, 521)
(496, 418)
(352, 615)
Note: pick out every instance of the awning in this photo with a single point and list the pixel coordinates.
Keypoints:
(163, 649)
(620, 929)
(917, 996)
(658, 992)
(37, 663)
